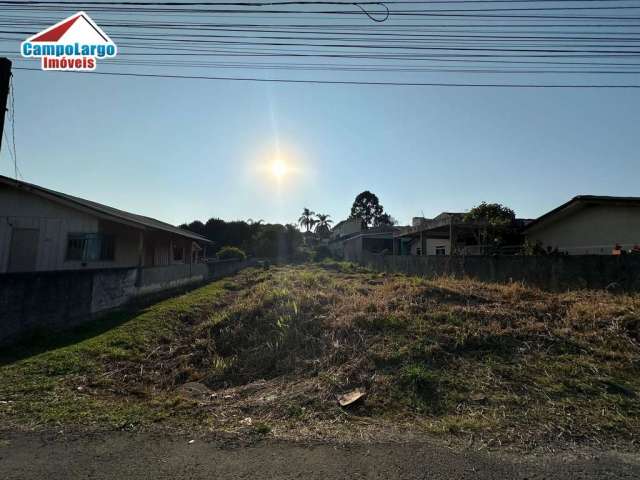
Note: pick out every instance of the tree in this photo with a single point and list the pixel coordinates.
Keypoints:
(323, 224)
(496, 220)
(306, 220)
(196, 227)
(385, 219)
(292, 240)
(367, 208)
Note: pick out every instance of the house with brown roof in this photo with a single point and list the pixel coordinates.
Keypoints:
(44, 230)
(589, 225)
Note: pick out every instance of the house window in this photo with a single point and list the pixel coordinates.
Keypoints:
(178, 253)
(441, 250)
(87, 247)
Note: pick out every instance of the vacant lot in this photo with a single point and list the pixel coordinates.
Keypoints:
(267, 352)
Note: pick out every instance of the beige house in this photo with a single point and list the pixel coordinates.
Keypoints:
(346, 227)
(42, 230)
(589, 225)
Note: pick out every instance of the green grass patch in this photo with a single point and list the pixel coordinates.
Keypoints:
(44, 381)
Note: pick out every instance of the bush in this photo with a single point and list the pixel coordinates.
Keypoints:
(321, 252)
(231, 253)
(301, 255)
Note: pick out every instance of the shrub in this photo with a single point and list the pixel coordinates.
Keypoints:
(302, 255)
(231, 253)
(321, 252)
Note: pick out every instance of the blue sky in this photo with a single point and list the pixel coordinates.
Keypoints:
(179, 150)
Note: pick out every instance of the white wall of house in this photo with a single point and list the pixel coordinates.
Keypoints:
(21, 210)
(51, 223)
(433, 246)
(595, 229)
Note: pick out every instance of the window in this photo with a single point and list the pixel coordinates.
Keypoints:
(90, 247)
(178, 253)
(441, 250)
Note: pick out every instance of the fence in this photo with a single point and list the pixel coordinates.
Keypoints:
(58, 300)
(547, 272)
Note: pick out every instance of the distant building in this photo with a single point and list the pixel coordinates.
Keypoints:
(346, 227)
(350, 238)
(41, 230)
(589, 225)
(430, 236)
(449, 233)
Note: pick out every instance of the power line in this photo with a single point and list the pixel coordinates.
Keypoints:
(347, 82)
(464, 37)
(292, 2)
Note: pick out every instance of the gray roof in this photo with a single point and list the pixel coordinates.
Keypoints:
(101, 210)
(581, 201)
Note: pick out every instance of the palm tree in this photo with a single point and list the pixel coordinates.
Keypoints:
(306, 220)
(323, 224)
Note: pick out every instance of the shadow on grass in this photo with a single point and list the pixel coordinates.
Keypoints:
(44, 340)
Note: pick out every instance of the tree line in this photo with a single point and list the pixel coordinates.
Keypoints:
(256, 238)
(273, 240)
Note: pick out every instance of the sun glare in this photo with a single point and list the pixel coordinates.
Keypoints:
(279, 169)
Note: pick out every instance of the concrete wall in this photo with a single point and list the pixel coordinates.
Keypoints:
(593, 230)
(57, 300)
(352, 249)
(547, 272)
(432, 244)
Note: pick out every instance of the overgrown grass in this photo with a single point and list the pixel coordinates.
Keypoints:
(502, 364)
(53, 379)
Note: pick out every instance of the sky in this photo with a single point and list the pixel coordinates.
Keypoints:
(179, 150)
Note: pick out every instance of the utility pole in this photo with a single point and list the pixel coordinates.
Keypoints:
(5, 75)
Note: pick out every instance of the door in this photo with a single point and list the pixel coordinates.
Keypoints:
(23, 250)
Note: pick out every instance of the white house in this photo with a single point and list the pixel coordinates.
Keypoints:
(589, 225)
(41, 230)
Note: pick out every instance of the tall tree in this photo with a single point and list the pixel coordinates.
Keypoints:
(306, 220)
(323, 224)
(367, 208)
(495, 220)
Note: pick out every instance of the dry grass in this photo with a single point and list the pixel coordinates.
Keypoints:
(492, 364)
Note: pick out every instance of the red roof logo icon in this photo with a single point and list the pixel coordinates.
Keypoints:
(76, 28)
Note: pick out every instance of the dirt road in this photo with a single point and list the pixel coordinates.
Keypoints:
(144, 456)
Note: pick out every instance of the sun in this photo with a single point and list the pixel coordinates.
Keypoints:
(279, 169)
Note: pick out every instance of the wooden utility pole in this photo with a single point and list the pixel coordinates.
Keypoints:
(5, 75)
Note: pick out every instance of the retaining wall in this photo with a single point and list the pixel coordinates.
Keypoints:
(57, 300)
(547, 272)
